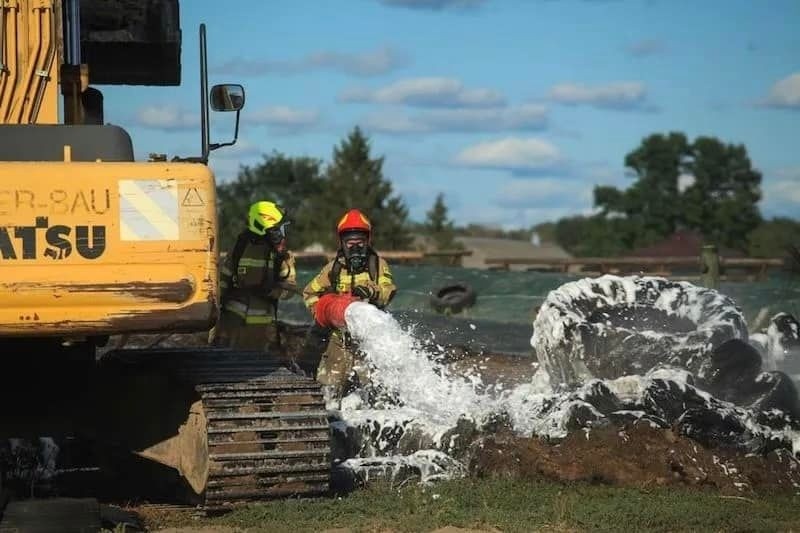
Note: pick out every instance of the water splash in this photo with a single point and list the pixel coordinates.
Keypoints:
(412, 376)
(428, 396)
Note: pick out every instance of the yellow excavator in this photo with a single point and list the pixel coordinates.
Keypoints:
(94, 244)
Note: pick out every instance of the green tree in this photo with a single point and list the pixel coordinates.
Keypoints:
(722, 201)
(354, 180)
(773, 238)
(546, 231)
(292, 182)
(651, 203)
(594, 236)
(439, 227)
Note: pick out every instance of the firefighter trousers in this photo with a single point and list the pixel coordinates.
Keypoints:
(340, 367)
(233, 332)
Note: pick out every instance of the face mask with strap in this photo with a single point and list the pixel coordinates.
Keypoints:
(336, 269)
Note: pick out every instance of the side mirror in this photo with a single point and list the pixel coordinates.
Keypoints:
(227, 97)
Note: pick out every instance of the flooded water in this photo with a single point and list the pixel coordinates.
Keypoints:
(501, 320)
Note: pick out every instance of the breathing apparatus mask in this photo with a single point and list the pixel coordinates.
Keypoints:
(356, 253)
(276, 235)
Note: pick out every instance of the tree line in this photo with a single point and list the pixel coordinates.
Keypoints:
(704, 185)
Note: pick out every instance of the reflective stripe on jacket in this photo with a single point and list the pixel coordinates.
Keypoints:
(252, 291)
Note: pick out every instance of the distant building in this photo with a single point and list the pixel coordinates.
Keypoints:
(484, 248)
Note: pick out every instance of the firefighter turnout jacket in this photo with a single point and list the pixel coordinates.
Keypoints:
(252, 283)
(334, 277)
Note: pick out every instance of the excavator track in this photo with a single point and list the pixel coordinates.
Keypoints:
(266, 427)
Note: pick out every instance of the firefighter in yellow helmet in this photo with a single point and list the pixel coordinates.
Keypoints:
(257, 273)
(357, 269)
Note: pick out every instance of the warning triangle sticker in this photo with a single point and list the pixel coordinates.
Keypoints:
(193, 199)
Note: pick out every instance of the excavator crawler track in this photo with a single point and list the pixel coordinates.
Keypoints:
(267, 432)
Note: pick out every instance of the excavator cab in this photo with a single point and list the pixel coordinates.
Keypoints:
(94, 244)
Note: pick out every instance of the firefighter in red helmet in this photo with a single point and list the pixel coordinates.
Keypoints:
(358, 270)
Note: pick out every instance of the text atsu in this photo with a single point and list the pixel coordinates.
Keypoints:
(88, 241)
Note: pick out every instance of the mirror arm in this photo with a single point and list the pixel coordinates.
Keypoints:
(214, 146)
(236, 128)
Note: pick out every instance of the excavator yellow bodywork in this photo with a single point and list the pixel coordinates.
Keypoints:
(106, 248)
(94, 244)
(91, 243)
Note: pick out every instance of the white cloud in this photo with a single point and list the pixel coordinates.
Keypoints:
(786, 191)
(785, 93)
(512, 153)
(433, 5)
(166, 117)
(623, 95)
(172, 117)
(526, 117)
(544, 193)
(372, 63)
(782, 192)
(284, 117)
(426, 92)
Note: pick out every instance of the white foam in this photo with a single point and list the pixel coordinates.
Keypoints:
(776, 352)
(434, 397)
(429, 398)
(432, 465)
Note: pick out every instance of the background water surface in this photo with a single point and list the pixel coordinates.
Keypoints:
(502, 318)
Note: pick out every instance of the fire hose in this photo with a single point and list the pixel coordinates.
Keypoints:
(330, 308)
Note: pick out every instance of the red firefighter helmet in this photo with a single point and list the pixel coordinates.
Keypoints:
(354, 221)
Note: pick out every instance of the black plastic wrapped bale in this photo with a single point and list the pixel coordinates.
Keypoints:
(614, 326)
(453, 298)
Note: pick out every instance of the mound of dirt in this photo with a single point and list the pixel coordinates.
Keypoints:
(638, 456)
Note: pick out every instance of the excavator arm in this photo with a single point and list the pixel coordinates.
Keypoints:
(28, 61)
(69, 44)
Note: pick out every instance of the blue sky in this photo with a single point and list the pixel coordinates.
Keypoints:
(514, 109)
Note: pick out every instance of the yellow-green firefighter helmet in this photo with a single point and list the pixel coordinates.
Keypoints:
(263, 216)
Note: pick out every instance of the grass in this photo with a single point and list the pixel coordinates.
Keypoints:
(506, 505)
